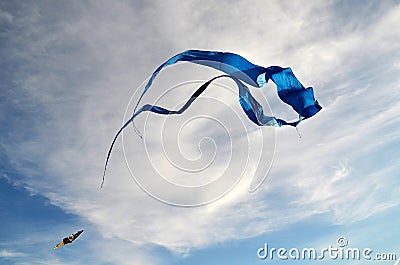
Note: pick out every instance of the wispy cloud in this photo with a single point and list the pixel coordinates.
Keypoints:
(70, 70)
(7, 254)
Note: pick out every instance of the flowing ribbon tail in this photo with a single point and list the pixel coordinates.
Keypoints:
(236, 67)
(229, 63)
(113, 142)
(155, 109)
(289, 88)
(250, 106)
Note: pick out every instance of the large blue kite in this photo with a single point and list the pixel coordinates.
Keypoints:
(290, 90)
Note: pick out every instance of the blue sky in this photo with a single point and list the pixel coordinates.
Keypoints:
(69, 70)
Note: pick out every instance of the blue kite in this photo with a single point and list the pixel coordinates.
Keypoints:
(289, 88)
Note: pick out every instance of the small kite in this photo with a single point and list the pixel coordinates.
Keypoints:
(289, 89)
(68, 240)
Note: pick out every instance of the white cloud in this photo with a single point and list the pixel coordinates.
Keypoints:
(82, 70)
(7, 254)
(5, 17)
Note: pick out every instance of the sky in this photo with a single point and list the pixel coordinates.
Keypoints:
(71, 72)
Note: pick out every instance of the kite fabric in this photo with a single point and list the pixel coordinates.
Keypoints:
(290, 90)
(68, 240)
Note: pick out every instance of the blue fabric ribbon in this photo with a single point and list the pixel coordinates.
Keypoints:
(289, 89)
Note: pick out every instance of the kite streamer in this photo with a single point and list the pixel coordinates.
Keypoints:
(289, 89)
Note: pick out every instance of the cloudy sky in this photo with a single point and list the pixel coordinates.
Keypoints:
(70, 70)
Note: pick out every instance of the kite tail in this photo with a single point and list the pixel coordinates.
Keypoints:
(229, 63)
(289, 88)
(113, 142)
(250, 106)
(58, 245)
(155, 109)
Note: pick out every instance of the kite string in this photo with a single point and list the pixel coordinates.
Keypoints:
(297, 129)
(138, 133)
